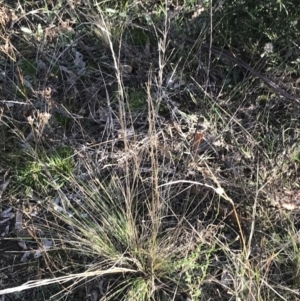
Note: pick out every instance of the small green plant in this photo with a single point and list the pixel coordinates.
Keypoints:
(194, 268)
(136, 98)
(296, 156)
(49, 171)
(62, 120)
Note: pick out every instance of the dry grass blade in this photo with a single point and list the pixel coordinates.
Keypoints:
(64, 279)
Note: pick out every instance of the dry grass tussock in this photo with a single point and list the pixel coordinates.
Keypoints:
(137, 164)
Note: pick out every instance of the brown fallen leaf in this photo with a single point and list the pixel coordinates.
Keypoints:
(197, 140)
